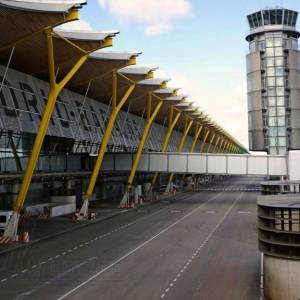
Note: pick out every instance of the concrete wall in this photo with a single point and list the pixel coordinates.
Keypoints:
(255, 105)
(281, 279)
(294, 85)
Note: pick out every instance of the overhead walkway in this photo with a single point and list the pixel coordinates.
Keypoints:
(208, 163)
(200, 163)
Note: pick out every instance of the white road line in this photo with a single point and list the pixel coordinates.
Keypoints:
(4, 279)
(136, 249)
(212, 232)
(24, 271)
(14, 275)
(34, 266)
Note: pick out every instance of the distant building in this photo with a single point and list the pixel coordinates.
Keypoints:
(273, 75)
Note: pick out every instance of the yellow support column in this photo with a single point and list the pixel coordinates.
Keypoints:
(225, 146)
(55, 89)
(196, 137)
(187, 127)
(228, 147)
(116, 107)
(210, 143)
(204, 141)
(221, 146)
(151, 115)
(172, 123)
(216, 144)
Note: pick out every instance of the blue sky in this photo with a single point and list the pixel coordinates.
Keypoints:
(198, 43)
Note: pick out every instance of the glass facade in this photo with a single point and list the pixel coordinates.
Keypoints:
(275, 82)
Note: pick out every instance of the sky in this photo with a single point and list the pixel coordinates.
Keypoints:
(199, 44)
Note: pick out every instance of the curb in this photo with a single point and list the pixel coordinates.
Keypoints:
(51, 236)
(20, 246)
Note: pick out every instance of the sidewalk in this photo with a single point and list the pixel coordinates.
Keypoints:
(44, 229)
(40, 230)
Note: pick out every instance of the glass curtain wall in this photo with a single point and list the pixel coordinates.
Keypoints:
(275, 83)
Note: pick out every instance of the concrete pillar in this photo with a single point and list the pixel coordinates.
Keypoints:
(281, 278)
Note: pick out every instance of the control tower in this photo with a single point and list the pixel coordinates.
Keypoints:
(273, 77)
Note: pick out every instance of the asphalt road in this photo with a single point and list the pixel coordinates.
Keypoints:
(201, 245)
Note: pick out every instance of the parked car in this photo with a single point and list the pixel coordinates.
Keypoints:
(4, 218)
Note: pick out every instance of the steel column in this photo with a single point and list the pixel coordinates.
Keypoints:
(151, 115)
(204, 141)
(116, 107)
(196, 137)
(216, 144)
(172, 123)
(187, 127)
(210, 143)
(55, 89)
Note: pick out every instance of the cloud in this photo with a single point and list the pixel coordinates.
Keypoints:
(155, 16)
(75, 25)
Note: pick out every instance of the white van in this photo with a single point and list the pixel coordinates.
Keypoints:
(4, 218)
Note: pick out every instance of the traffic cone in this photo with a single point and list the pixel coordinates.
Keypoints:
(24, 238)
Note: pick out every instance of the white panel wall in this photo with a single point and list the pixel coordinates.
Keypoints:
(294, 165)
(257, 165)
(158, 163)
(216, 164)
(237, 165)
(177, 163)
(207, 163)
(278, 165)
(196, 163)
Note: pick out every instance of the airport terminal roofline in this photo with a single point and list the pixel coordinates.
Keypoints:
(90, 76)
(43, 5)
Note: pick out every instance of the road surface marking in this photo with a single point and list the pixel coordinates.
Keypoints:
(55, 278)
(14, 275)
(24, 271)
(137, 248)
(212, 233)
(4, 279)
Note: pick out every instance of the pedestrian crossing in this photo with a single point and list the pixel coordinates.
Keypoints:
(230, 189)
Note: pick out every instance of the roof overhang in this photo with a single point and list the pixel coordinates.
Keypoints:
(94, 78)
